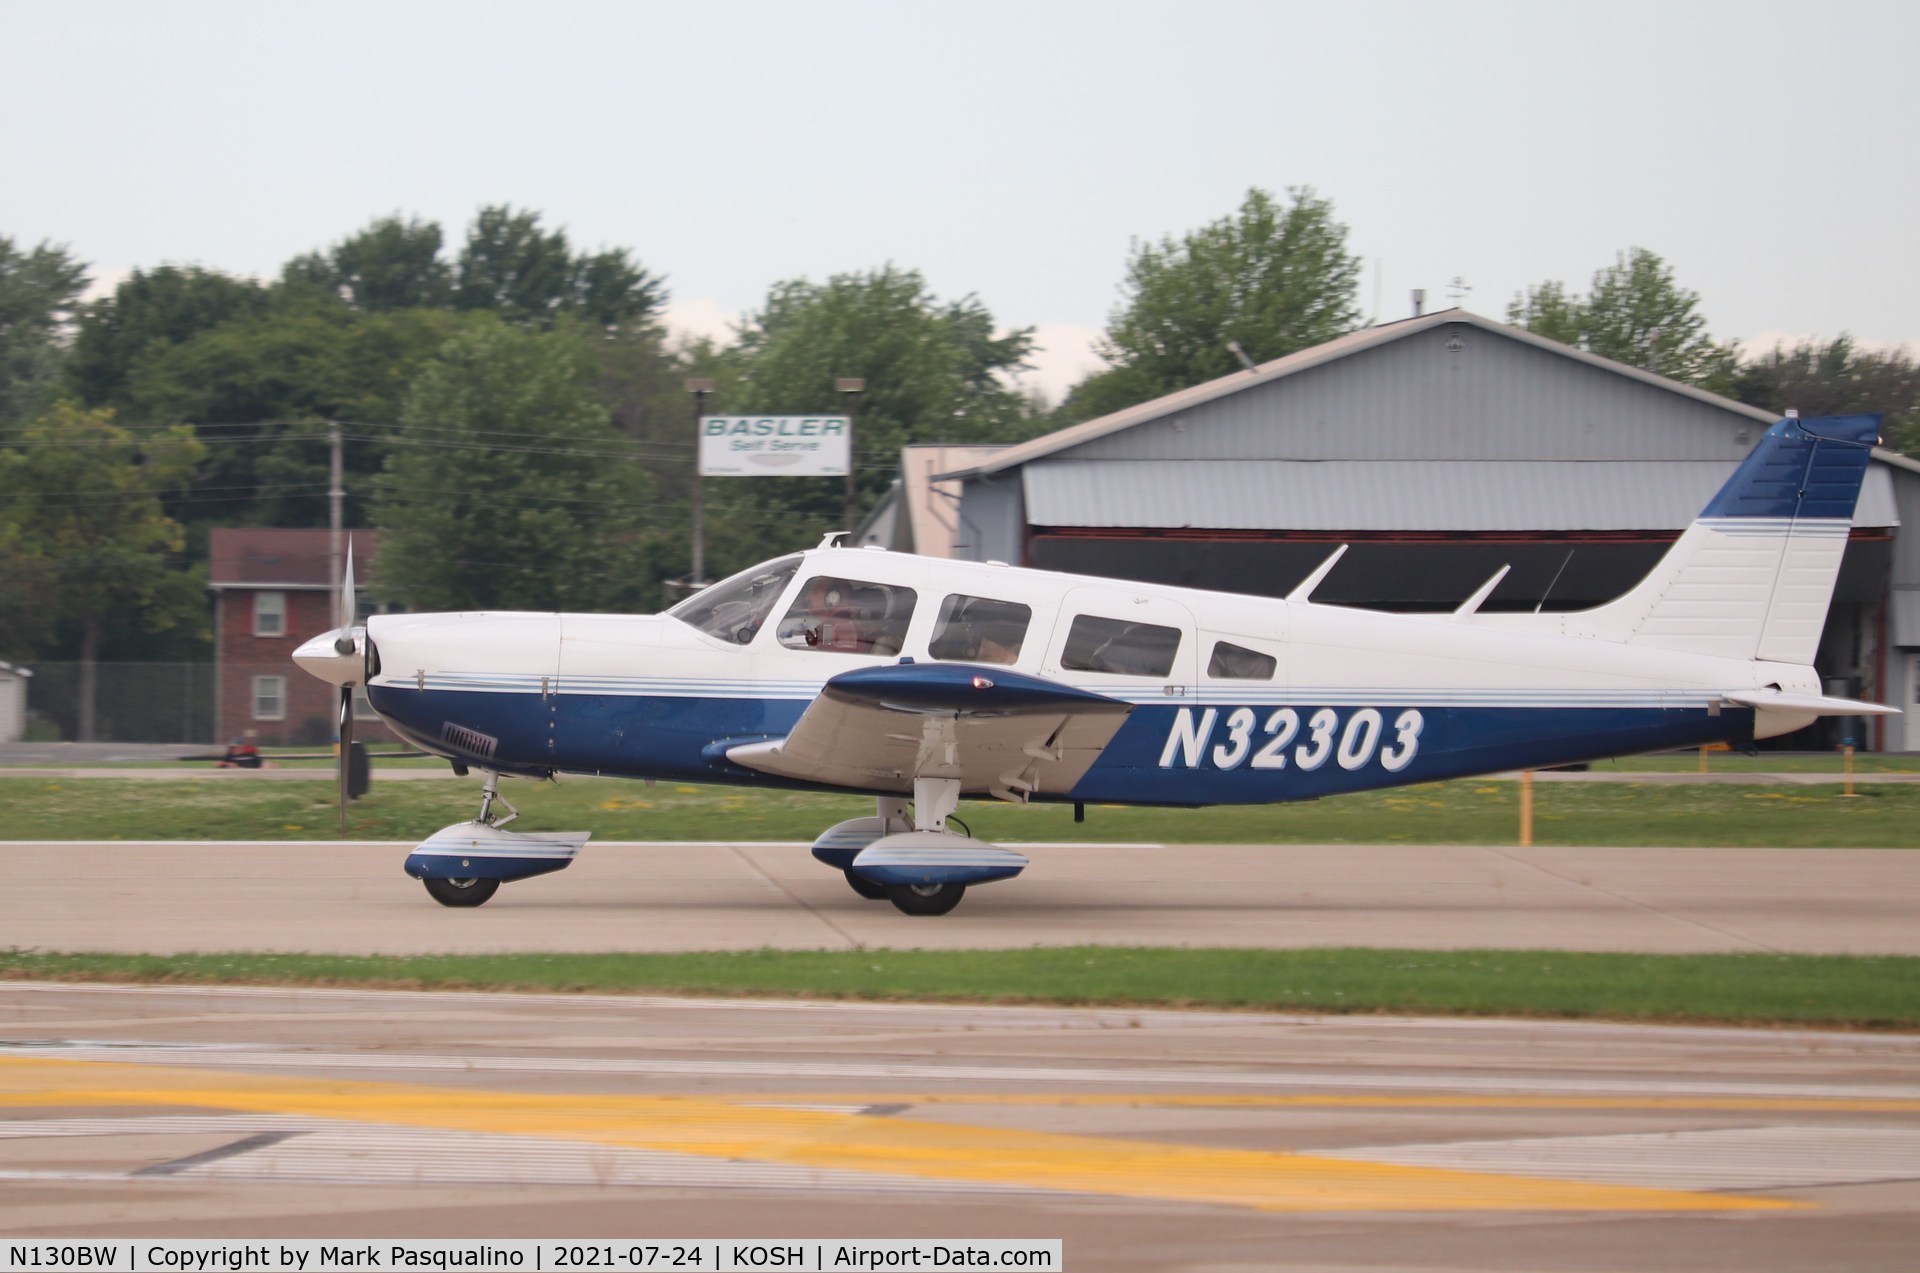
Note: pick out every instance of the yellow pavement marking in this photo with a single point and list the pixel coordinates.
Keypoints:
(890, 1146)
(1228, 1100)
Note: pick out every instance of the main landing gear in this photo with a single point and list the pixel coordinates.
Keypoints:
(465, 864)
(913, 860)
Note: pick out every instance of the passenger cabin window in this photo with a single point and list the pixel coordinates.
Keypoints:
(848, 616)
(980, 630)
(1232, 662)
(735, 608)
(1120, 648)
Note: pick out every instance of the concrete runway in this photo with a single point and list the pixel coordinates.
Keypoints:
(1145, 1140)
(353, 898)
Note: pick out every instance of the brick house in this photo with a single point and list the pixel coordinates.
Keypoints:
(273, 589)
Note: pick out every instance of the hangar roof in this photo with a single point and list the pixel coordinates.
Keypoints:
(1393, 495)
(1320, 355)
(281, 558)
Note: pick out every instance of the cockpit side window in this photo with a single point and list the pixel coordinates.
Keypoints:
(735, 608)
(848, 616)
(980, 630)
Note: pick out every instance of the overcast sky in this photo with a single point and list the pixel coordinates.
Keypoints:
(1012, 150)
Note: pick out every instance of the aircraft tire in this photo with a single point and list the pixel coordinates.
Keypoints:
(925, 899)
(866, 887)
(461, 892)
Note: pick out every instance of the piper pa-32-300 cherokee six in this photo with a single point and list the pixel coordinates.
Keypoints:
(920, 681)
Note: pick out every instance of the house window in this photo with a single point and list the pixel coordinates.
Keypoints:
(269, 614)
(362, 709)
(269, 698)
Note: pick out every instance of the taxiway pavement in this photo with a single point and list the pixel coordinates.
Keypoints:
(352, 898)
(1146, 1141)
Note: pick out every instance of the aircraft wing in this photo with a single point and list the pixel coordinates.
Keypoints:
(998, 731)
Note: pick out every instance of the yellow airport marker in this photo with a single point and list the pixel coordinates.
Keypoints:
(886, 1146)
(1230, 1100)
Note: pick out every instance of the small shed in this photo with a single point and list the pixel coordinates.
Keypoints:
(13, 702)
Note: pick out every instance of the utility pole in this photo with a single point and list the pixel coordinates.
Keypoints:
(336, 506)
(699, 388)
(850, 389)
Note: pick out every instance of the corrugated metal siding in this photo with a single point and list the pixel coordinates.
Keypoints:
(1904, 617)
(1386, 495)
(1906, 548)
(993, 521)
(1418, 398)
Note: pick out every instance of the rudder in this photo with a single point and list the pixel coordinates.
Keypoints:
(1752, 577)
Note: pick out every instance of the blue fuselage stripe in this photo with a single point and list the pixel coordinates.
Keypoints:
(1170, 753)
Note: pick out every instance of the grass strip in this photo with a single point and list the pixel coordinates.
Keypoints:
(1847, 991)
(1471, 811)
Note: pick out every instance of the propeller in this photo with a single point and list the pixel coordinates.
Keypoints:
(343, 644)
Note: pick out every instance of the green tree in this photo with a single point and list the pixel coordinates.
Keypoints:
(1837, 377)
(148, 312)
(1547, 309)
(1275, 277)
(1635, 313)
(935, 371)
(392, 264)
(81, 510)
(38, 292)
(508, 487)
(259, 393)
(514, 268)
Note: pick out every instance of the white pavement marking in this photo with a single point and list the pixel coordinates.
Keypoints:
(408, 1156)
(957, 1015)
(327, 1152)
(940, 1072)
(1729, 1158)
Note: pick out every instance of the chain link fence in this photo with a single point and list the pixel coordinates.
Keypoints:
(133, 703)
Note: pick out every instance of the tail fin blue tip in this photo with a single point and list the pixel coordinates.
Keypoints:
(1801, 469)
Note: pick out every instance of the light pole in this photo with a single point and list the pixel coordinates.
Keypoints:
(850, 388)
(699, 387)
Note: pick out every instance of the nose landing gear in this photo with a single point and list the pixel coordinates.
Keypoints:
(465, 864)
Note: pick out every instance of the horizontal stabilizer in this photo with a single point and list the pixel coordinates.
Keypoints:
(1808, 704)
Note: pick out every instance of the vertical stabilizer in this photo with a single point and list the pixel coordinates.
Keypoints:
(1752, 576)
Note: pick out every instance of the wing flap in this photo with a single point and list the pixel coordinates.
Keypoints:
(996, 731)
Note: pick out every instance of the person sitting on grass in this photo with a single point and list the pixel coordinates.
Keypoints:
(241, 754)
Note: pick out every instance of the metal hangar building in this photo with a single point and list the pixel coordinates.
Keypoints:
(1440, 448)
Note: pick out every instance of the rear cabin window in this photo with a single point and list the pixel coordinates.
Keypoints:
(1232, 662)
(980, 630)
(1120, 648)
(848, 616)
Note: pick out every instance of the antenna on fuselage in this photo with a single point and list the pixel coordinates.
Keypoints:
(1472, 604)
(832, 538)
(1554, 580)
(1306, 586)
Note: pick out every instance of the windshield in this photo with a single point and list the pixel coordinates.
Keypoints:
(734, 608)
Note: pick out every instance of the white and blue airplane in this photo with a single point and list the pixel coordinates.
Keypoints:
(922, 681)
